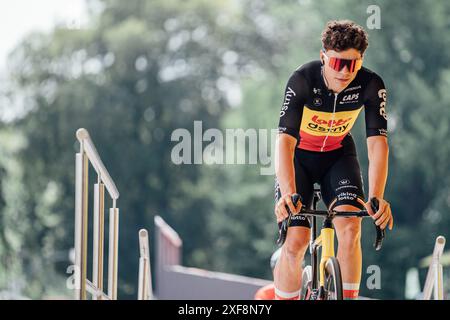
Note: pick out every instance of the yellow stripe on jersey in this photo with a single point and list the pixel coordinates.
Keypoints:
(318, 123)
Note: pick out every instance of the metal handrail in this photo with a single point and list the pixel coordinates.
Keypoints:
(434, 278)
(88, 154)
(94, 158)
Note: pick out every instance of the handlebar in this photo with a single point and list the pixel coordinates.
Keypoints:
(380, 233)
(286, 222)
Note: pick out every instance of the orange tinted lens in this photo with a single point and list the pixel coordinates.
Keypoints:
(338, 64)
(333, 63)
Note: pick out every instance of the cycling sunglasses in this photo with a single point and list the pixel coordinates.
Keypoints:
(338, 64)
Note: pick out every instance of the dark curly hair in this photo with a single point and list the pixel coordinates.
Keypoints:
(340, 35)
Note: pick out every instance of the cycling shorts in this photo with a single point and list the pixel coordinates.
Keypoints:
(337, 172)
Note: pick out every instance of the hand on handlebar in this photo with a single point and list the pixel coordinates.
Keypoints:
(281, 211)
(288, 204)
(383, 217)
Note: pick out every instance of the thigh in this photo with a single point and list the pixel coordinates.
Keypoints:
(342, 184)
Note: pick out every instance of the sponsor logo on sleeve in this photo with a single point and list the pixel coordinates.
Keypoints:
(382, 95)
(287, 99)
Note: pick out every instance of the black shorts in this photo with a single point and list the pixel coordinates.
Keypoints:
(337, 172)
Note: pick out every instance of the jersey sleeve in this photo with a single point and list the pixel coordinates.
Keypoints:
(375, 108)
(292, 107)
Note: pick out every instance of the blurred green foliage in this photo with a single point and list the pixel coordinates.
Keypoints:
(141, 69)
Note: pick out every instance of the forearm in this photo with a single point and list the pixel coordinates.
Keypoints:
(378, 153)
(284, 165)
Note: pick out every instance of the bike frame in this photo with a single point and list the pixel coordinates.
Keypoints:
(324, 240)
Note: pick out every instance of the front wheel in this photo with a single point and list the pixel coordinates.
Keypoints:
(333, 280)
(305, 289)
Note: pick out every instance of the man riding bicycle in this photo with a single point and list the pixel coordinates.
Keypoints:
(321, 104)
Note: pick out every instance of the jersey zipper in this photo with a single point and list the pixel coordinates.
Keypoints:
(331, 124)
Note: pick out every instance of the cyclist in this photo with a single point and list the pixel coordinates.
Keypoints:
(321, 103)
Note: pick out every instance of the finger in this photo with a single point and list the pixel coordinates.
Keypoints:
(277, 215)
(385, 223)
(391, 222)
(385, 209)
(383, 219)
(386, 218)
(283, 212)
(280, 216)
(299, 206)
(381, 209)
(290, 204)
(377, 215)
(388, 221)
(369, 209)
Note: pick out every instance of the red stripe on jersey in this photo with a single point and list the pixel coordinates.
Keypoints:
(315, 143)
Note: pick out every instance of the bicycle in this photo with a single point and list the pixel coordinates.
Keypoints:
(324, 281)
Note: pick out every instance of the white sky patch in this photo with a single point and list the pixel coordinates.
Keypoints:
(20, 17)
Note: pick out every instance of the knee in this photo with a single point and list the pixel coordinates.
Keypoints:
(350, 235)
(295, 248)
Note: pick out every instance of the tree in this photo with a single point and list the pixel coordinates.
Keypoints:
(131, 77)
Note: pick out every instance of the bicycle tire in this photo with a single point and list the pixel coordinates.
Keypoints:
(333, 280)
(305, 289)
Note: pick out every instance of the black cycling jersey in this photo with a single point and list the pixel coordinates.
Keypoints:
(320, 119)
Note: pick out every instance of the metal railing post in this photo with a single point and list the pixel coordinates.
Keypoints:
(113, 252)
(99, 234)
(79, 288)
(434, 281)
(145, 290)
(81, 214)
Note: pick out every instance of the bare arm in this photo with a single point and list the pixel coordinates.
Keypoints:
(285, 171)
(284, 165)
(288, 128)
(378, 153)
